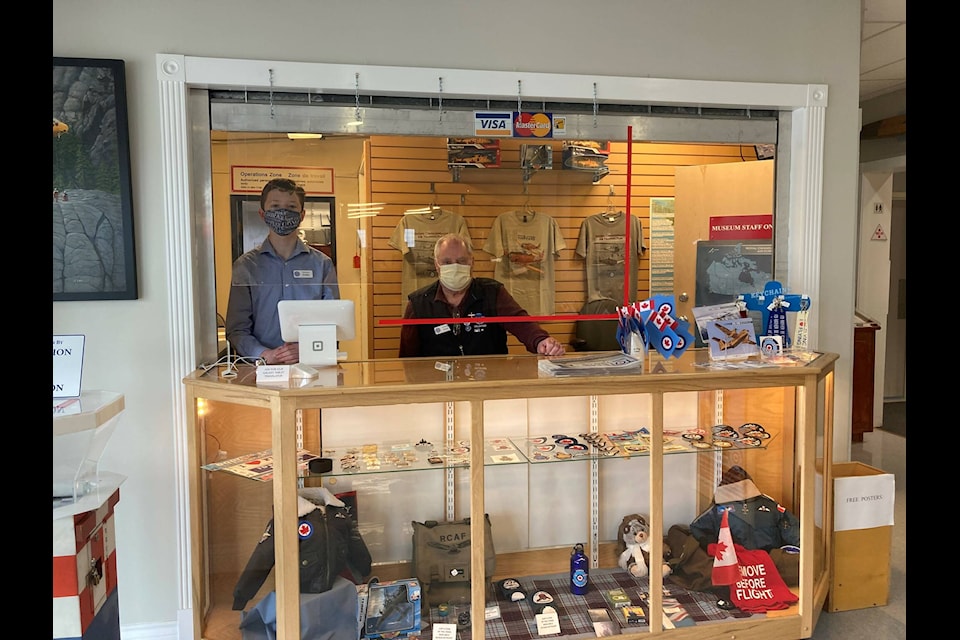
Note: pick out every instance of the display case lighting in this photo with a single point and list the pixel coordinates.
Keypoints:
(364, 209)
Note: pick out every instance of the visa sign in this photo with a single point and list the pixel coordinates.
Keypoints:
(493, 124)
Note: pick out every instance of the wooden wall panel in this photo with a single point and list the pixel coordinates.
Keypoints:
(410, 172)
(712, 191)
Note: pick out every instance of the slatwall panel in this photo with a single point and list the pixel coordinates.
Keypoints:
(410, 172)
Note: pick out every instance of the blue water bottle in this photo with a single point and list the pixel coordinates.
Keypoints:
(579, 571)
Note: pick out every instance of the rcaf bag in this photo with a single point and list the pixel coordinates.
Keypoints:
(441, 558)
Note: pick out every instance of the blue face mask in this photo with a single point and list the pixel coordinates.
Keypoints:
(282, 221)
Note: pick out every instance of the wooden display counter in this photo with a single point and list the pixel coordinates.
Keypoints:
(795, 400)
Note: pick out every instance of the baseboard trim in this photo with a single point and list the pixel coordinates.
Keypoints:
(164, 631)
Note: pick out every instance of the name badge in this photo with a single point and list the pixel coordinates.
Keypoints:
(303, 273)
(443, 328)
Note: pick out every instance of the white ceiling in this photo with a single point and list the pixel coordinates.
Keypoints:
(883, 48)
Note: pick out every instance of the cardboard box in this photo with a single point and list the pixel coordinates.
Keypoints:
(583, 158)
(863, 500)
(600, 147)
(617, 598)
(536, 156)
(473, 152)
(392, 609)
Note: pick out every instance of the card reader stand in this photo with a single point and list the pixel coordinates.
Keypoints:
(318, 345)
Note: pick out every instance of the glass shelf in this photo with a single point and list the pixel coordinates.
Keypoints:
(392, 457)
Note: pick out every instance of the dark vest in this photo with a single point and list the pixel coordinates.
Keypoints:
(472, 339)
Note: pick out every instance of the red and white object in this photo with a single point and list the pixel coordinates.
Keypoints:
(726, 569)
(85, 573)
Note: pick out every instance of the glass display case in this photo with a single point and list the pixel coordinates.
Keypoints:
(82, 427)
(553, 462)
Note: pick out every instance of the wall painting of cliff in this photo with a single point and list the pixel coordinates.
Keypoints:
(94, 255)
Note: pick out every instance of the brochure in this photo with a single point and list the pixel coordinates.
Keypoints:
(603, 362)
(259, 465)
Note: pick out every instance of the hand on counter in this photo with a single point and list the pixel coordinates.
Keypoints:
(550, 347)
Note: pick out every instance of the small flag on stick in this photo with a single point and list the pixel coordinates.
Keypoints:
(726, 568)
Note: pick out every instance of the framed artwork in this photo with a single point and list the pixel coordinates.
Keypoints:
(94, 256)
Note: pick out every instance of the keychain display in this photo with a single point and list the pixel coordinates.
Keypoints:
(773, 304)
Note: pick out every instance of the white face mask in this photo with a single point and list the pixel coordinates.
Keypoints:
(455, 277)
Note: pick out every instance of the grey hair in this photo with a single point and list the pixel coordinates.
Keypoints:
(452, 237)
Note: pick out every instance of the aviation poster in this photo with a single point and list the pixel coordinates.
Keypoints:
(661, 246)
(727, 269)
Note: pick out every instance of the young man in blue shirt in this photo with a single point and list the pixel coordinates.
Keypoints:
(282, 267)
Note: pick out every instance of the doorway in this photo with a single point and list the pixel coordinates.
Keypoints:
(895, 372)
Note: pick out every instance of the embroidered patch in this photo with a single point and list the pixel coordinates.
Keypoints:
(304, 530)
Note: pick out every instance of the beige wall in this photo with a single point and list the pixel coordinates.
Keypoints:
(129, 343)
(343, 155)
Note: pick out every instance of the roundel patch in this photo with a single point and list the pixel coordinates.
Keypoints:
(666, 342)
(304, 529)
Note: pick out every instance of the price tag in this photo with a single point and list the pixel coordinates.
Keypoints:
(444, 631)
(548, 623)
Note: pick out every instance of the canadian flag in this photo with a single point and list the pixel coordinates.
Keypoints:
(726, 568)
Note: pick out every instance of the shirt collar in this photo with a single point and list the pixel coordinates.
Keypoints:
(267, 247)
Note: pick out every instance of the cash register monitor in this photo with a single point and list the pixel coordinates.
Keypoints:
(317, 325)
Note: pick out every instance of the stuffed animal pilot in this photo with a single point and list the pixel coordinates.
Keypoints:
(634, 545)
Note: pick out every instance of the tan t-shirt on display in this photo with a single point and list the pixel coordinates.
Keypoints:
(527, 244)
(602, 246)
(415, 236)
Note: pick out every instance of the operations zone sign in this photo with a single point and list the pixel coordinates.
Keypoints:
(316, 181)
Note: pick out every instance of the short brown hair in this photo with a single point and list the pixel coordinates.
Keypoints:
(282, 184)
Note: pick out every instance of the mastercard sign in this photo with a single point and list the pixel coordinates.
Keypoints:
(532, 125)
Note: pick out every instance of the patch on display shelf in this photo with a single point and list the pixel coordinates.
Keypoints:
(518, 617)
(408, 456)
(616, 443)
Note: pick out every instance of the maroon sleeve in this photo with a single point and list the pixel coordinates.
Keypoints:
(409, 336)
(529, 333)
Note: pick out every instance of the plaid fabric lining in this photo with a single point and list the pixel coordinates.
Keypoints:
(518, 622)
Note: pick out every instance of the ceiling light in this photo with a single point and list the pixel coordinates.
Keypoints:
(364, 209)
(304, 136)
